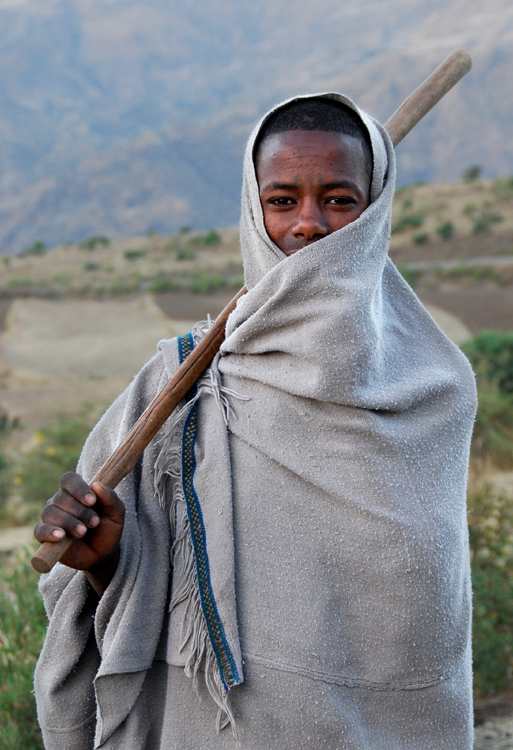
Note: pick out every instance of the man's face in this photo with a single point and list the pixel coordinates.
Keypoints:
(311, 183)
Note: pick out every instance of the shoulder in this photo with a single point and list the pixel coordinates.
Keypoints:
(124, 412)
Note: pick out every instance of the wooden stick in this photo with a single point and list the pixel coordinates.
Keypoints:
(149, 423)
(125, 456)
(418, 104)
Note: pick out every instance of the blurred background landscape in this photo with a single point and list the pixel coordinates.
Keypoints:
(122, 129)
(117, 116)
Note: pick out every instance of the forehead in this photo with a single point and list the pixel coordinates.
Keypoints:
(304, 150)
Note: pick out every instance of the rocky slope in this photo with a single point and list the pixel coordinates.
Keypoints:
(120, 115)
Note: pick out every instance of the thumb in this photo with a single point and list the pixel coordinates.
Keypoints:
(111, 505)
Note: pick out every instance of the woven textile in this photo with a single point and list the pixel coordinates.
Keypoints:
(311, 493)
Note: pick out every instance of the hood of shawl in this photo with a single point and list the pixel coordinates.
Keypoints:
(259, 252)
(335, 321)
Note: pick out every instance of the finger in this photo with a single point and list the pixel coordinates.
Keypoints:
(46, 532)
(77, 487)
(60, 519)
(111, 505)
(68, 504)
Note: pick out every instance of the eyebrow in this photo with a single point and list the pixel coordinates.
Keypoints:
(294, 186)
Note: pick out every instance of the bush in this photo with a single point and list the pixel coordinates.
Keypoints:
(162, 284)
(503, 189)
(203, 240)
(57, 450)
(90, 266)
(471, 273)
(485, 221)
(133, 254)
(37, 248)
(492, 439)
(446, 230)
(491, 546)
(472, 173)
(203, 283)
(404, 188)
(92, 242)
(421, 238)
(124, 286)
(22, 629)
(407, 221)
(410, 275)
(19, 282)
(211, 238)
(491, 354)
(185, 253)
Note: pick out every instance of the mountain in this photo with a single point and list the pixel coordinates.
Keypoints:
(120, 115)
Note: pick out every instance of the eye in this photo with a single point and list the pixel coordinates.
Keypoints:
(281, 201)
(341, 200)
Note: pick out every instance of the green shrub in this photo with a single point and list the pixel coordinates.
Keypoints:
(469, 208)
(22, 629)
(203, 240)
(185, 230)
(472, 173)
(492, 439)
(502, 189)
(56, 451)
(92, 242)
(185, 253)
(124, 286)
(421, 238)
(19, 282)
(133, 254)
(90, 266)
(407, 221)
(446, 230)
(410, 275)
(204, 282)
(491, 355)
(162, 284)
(404, 188)
(212, 238)
(485, 221)
(37, 248)
(471, 273)
(407, 204)
(491, 545)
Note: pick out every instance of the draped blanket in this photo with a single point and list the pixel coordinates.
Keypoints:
(311, 494)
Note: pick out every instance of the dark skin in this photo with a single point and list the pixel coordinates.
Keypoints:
(311, 184)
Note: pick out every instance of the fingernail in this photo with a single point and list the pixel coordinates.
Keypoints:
(90, 499)
(81, 529)
(57, 533)
(94, 521)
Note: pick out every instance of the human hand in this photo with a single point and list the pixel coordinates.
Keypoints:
(93, 517)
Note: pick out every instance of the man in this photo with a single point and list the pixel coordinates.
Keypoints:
(311, 494)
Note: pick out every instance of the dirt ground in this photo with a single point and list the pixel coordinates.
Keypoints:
(477, 307)
(57, 355)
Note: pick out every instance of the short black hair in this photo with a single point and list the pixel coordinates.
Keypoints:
(317, 113)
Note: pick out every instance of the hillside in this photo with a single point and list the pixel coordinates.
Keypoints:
(432, 224)
(120, 116)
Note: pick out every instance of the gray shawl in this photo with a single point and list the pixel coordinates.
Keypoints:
(333, 430)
